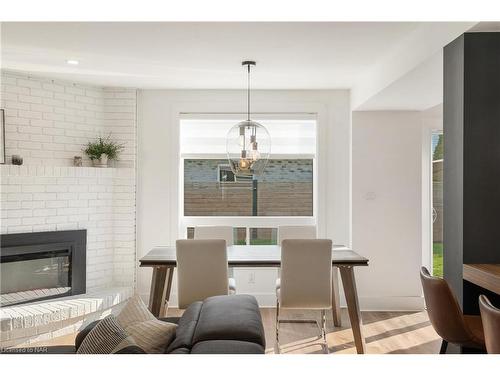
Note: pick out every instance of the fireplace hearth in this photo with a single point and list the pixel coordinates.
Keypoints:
(43, 265)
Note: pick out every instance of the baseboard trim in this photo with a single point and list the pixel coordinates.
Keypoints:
(391, 303)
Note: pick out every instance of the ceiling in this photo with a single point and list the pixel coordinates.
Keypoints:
(387, 65)
(418, 90)
(422, 86)
(203, 55)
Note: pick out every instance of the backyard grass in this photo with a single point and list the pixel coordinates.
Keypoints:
(437, 259)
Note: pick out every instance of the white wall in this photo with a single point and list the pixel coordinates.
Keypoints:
(158, 163)
(387, 207)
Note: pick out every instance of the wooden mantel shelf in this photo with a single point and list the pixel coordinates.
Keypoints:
(486, 276)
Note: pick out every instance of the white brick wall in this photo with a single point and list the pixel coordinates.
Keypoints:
(42, 198)
(48, 122)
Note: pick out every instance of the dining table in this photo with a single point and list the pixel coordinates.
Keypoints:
(163, 261)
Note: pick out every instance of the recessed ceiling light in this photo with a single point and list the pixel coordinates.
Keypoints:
(72, 62)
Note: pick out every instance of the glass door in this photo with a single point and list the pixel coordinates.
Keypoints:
(437, 203)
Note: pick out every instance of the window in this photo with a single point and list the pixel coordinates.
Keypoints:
(212, 195)
(284, 189)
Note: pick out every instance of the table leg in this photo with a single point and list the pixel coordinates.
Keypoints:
(170, 275)
(161, 283)
(337, 322)
(351, 295)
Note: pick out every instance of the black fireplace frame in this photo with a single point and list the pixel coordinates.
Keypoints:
(75, 241)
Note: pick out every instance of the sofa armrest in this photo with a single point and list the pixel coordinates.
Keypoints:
(186, 329)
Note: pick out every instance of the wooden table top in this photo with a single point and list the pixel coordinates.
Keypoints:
(486, 276)
(251, 256)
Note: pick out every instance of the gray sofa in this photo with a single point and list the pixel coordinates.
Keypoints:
(219, 325)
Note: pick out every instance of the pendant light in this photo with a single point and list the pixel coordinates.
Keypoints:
(248, 143)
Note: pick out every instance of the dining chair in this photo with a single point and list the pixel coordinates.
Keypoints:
(490, 317)
(296, 232)
(219, 232)
(446, 315)
(306, 281)
(201, 270)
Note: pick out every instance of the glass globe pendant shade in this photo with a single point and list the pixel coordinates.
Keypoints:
(248, 145)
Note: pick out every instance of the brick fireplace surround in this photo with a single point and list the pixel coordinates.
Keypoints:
(47, 123)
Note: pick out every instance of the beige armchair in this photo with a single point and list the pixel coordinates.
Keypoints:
(201, 270)
(220, 232)
(306, 281)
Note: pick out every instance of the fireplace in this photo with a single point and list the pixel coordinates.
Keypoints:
(42, 265)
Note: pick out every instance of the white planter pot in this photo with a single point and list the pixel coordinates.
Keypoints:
(102, 162)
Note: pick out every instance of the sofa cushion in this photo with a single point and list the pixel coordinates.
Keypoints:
(227, 347)
(235, 317)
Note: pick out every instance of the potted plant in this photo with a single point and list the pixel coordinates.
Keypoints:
(102, 150)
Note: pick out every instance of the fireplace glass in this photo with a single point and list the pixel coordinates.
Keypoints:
(35, 276)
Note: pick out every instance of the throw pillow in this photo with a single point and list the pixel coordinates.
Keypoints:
(106, 337)
(151, 334)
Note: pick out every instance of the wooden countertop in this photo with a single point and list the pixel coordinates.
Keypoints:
(486, 276)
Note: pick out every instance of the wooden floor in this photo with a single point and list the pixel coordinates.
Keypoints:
(385, 332)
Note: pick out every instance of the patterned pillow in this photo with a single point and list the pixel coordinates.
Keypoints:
(106, 337)
(151, 334)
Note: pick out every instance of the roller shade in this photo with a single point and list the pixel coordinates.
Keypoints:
(207, 136)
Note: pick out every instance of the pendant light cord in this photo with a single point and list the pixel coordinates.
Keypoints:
(248, 94)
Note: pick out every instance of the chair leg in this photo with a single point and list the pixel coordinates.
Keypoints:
(323, 330)
(444, 346)
(277, 340)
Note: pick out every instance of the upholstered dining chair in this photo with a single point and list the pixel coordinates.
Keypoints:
(201, 270)
(210, 232)
(490, 317)
(294, 232)
(306, 281)
(446, 315)
(219, 232)
(302, 232)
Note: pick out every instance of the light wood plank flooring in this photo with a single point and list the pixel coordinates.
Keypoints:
(385, 332)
